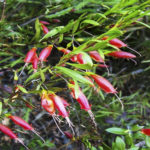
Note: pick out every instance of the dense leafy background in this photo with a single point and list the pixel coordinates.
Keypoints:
(82, 23)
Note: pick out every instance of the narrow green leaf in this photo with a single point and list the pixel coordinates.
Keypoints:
(113, 33)
(61, 36)
(100, 148)
(144, 24)
(136, 128)
(5, 54)
(68, 27)
(69, 44)
(102, 95)
(91, 22)
(73, 74)
(42, 75)
(102, 15)
(120, 143)
(80, 66)
(6, 59)
(82, 4)
(52, 32)
(116, 130)
(146, 61)
(134, 148)
(129, 139)
(114, 147)
(18, 61)
(22, 89)
(37, 29)
(147, 141)
(76, 89)
(101, 54)
(100, 44)
(76, 25)
(1, 106)
(59, 13)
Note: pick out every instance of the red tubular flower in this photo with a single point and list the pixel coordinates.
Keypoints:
(45, 53)
(22, 123)
(66, 51)
(44, 22)
(116, 42)
(65, 103)
(83, 101)
(59, 105)
(56, 20)
(73, 58)
(68, 135)
(45, 29)
(80, 59)
(106, 86)
(93, 86)
(96, 56)
(19, 121)
(103, 66)
(146, 131)
(84, 58)
(30, 55)
(121, 54)
(58, 102)
(48, 104)
(103, 84)
(10, 133)
(35, 63)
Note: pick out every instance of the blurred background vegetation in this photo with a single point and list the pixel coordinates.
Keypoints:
(79, 22)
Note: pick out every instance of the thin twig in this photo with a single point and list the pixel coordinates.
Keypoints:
(32, 20)
(70, 97)
(134, 50)
(89, 33)
(133, 61)
(3, 11)
(73, 39)
(120, 101)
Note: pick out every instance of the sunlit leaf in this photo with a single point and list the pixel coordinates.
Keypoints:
(116, 130)
(73, 74)
(91, 22)
(22, 89)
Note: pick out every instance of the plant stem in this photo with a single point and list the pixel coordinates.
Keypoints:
(3, 11)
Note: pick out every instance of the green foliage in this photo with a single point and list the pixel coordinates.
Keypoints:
(80, 27)
(117, 131)
(73, 74)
